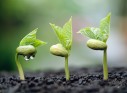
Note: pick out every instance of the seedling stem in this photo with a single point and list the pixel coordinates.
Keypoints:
(21, 74)
(67, 69)
(105, 66)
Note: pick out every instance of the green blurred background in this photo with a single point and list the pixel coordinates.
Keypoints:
(19, 17)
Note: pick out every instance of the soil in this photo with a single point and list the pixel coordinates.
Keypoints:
(84, 80)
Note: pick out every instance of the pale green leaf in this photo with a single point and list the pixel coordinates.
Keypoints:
(30, 39)
(64, 34)
(87, 32)
(59, 33)
(105, 27)
(91, 32)
(102, 36)
(38, 43)
(67, 31)
(101, 33)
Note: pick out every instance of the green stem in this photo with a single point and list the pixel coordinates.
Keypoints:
(21, 73)
(105, 66)
(67, 69)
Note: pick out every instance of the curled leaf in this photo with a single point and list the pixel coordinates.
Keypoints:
(30, 39)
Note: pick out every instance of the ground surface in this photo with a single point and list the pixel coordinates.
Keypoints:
(82, 81)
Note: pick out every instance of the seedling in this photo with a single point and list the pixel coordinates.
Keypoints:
(63, 48)
(27, 48)
(98, 38)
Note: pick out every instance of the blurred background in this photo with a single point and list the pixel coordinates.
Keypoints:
(19, 17)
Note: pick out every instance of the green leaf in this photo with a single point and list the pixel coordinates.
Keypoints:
(90, 32)
(105, 27)
(67, 31)
(30, 39)
(64, 34)
(38, 43)
(59, 33)
(101, 33)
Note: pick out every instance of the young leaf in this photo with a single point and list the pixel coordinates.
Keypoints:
(30, 39)
(67, 31)
(102, 36)
(90, 32)
(59, 33)
(38, 43)
(101, 33)
(64, 34)
(105, 27)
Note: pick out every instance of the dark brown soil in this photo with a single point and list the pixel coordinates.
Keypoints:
(82, 81)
